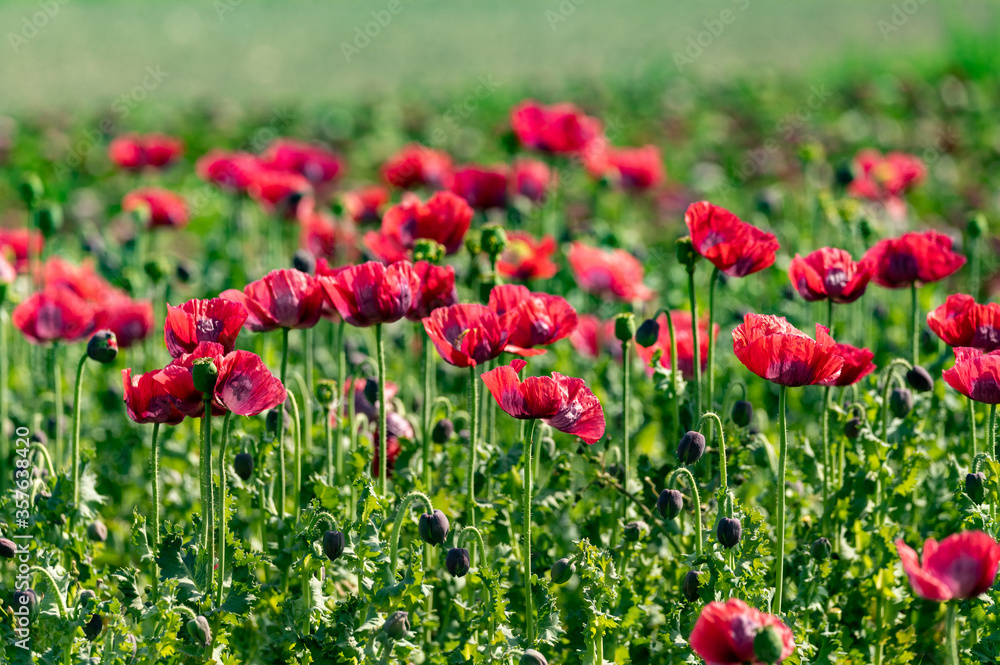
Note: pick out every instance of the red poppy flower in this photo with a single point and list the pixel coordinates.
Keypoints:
(285, 195)
(527, 258)
(632, 169)
(165, 207)
(445, 218)
(364, 205)
(857, 362)
(372, 293)
(315, 163)
(435, 287)
(724, 633)
(7, 272)
(828, 273)
(533, 319)
(147, 400)
(531, 179)
(733, 246)
(774, 349)
(963, 565)
(560, 128)
(285, 298)
(197, 321)
(54, 314)
(919, 258)
(562, 402)
(130, 320)
(16, 243)
(466, 335)
(594, 338)
(685, 342)
(232, 171)
(886, 178)
(392, 450)
(322, 235)
(177, 382)
(976, 374)
(82, 280)
(961, 321)
(613, 274)
(483, 187)
(416, 166)
(135, 151)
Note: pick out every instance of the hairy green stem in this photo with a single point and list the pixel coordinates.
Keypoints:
(282, 479)
(626, 438)
(77, 393)
(671, 480)
(208, 506)
(53, 589)
(297, 490)
(780, 488)
(972, 426)
(952, 629)
(154, 472)
(723, 474)
(710, 404)
(383, 460)
(223, 513)
(397, 525)
(915, 337)
(473, 441)
(529, 614)
(826, 451)
(697, 342)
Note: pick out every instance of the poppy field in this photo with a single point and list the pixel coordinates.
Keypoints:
(656, 373)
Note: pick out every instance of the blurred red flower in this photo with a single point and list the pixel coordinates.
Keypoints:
(560, 128)
(611, 274)
(16, 243)
(483, 187)
(632, 169)
(284, 195)
(857, 362)
(913, 258)
(54, 314)
(593, 338)
(434, 288)
(773, 349)
(232, 171)
(532, 319)
(138, 151)
(444, 218)
(961, 321)
(531, 179)
(724, 633)
(685, 342)
(313, 162)
(364, 205)
(326, 238)
(372, 292)
(736, 248)
(527, 258)
(886, 178)
(285, 298)
(963, 565)
(147, 399)
(165, 207)
(466, 335)
(828, 273)
(392, 450)
(130, 320)
(82, 280)
(213, 320)
(975, 374)
(416, 166)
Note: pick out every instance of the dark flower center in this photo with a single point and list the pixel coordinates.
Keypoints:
(835, 281)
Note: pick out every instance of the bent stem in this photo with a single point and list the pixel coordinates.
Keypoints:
(697, 342)
(529, 613)
(671, 480)
(383, 465)
(154, 472)
(782, 454)
(723, 475)
(77, 392)
(404, 507)
(223, 513)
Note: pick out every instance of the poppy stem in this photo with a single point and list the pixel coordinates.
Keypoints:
(342, 395)
(4, 382)
(723, 475)
(697, 342)
(626, 439)
(308, 392)
(383, 460)
(208, 506)
(397, 525)
(952, 626)
(154, 472)
(426, 374)
(331, 466)
(826, 452)
(223, 513)
(674, 388)
(683, 470)
(915, 339)
(782, 455)
(77, 393)
(991, 436)
(297, 490)
(711, 338)
(282, 480)
(529, 614)
(972, 426)
(473, 440)
(57, 399)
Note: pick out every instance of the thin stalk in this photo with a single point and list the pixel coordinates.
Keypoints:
(331, 466)
(154, 472)
(972, 426)
(383, 459)
(282, 480)
(676, 424)
(297, 490)
(671, 479)
(529, 614)
(482, 545)
(57, 399)
(342, 394)
(826, 451)
(4, 398)
(223, 513)
(723, 474)
(397, 525)
(711, 338)
(697, 342)
(915, 338)
(77, 393)
(782, 455)
(992, 434)
(473, 440)
(626, 439)
(309, 392)
(208, 506)
(951, 623)
(426, 374)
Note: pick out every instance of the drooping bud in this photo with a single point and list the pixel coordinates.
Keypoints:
(919, 379)
(634, 531)
(8, 548)
(691, 447)
(326, 391)
(742, 412)
(975, 487)
(103, 347)
(443, 431)
(457, 561)
(397, 625)
(532, 657)
(978, 226)
(900, 402)
(272, 420)
(304, 261)
(92, 629)
(199, 630)
(31, 189)
(428, 250)
(97, 531)
(821, 549)
(852, 428)
(686, 255)
(561, 572)
(768, 645)
(204, 374)
(648, 333)
(22, 599)
(690, 586)
(333, 544)
(625, 327)
(670, 504)
(433, 527)
(157, 269)
(50, 219)
(729, 531)
(493, 240)
(131, 640)
(243, 465)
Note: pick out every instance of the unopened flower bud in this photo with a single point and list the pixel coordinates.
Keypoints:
(670, 504)
(457, 561)
(625, 327)
(686, 254)
(397, 625)
(768, 645)
(371, 391)
(900, 402)
(103, 347)
(975, 487)
(821, 549)
(852, 428)
(243, 465)
(729, 531)
(326, 391)
(978, 227)
(333, 544)
(532, 657)
(199, 630)
(31, 189)
(433, 527)
(493, 240)
(50, 219)
(648, 333)
(8, 548)
(25, 598)
(304, 261)
(204, 374)
(691, 447)
(97, 532)
(634, 531)
(561, 572)
(742, 412)
(919, 379)
(690, 586)
(92, 629)
(443, 431)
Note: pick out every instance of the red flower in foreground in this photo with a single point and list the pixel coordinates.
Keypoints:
(54, 314)
(913, 258)
(724, 633)
(562, 402)
(130, 320)
(165, 207)
(733, 246)
(196, 321)
(613, 274)
(857, 362)
(828, 273)
(285, 195)
(685, 342)
(531, 179)
(322, 235)
(372, 293)
(961, 321)
(147, 399)
(963, 565)
(232, 171)
(415, 166)
(281, 299)
(533, 319)
(136, 151)
(466, 335)
(444, 218)
(527, 258)
(483, 187)
(435, 287)
(560, 128)
(364, 205)
(976, 374)
(594, 338)
(632, 169)
(774, 349)
(315, 163)
(16, 243)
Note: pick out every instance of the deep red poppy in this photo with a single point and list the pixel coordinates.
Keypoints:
(963, 565)
(54, 314)
(724, 633)
(16, 243)
(82, 280)
(685, 342)
(466, 335)
(435, 287)
(444, 218)
(733, 246)
(313, 162)
(919, 258)
(177, 382)
(138, 151)
(285, 298)
(594, 338)
(632, 169)
(976, 374)
(285, 195)
(611, 274)
(364, 205)
(828, 273)
(165, 207)
(196, 321)
(232, 171)
(526, 257)
(562, 402)
(773, 349)
(531, 179)
(483, 187)
(886, 178)
(326, 238)
(392, 450)
(560, 128)
(961, 321)
(130, 320)
(857, 362)
(147, 400)
(532, 319)
(417, 166)
(372, 292)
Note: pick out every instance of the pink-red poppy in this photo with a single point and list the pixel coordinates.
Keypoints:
(631, 169)
(15, 244)
(435, 287)
(857, 362)
(313, 162)
(7, 272)
(558, 129)
(417, 166)
(562, 402)
(392, 450)
(975, 374)
(364, 205)
(445, 218)
(327, 238)
(527, 257)
(685, 342)
(736, 248)
(724, 633)
(913, 258)
(231, 171)
(466, 335)
(483, 187)
(82, 280)
(135, 152)
(530, 178)
(372, 293)
(773, 349)
(147, 399)
(593, 338)
(611, 274)
(54, 314)
(532, 319)
(165, 208)
(285, 298)
(196, 321)
(961, 321)
(130, 320)
(828, 274)
(963, 565)
(284, 195)
(885, 178)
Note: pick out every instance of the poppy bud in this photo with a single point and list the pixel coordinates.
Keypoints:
(272, 420)
(157, 269)
(443, 431)
(493, 240)
(919, 379)
(371, 391)
(199, 630)
(183, 272)
(31, 189)
(94, 627)
(686, 255)
(562, 570)
(670, 504)
(742, 412)
(844, 174)
(865, 229)
(900, 402)
(625, 327)
(433, 527)
(50, 219)
(472, 243)
(821, 549)
(532, 657)
(8, 548)
(975, 487)
(648, 333)
(103, 347)
(690, 586)
(978, 226)
(691, 447)
(333, 544)
(25, 599)
(634, 531)
(243, 465)
(852, 428)
(768, 645)
(428, 250)
(729, 531)
(397, 625)
(326, 392)
(97, 532)
(84, 596)
(204, 374)
(304, 261)
(457, 561)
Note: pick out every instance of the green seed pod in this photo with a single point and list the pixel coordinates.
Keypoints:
(670, 504)
(821, 549)
(742, 413)
(625, 327)
(975, 487)
(647, 334)
(204, 374)
(457, 561)
(978, 226)
(428, 250)
(433, 527)
(532, 657)
(103, 347)
(686, 254)
(157, 269)
(397, 625)
(561, 572)
(493, 240)
(326, 391)
(472, 243)
(199, 630)
(768, 645)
